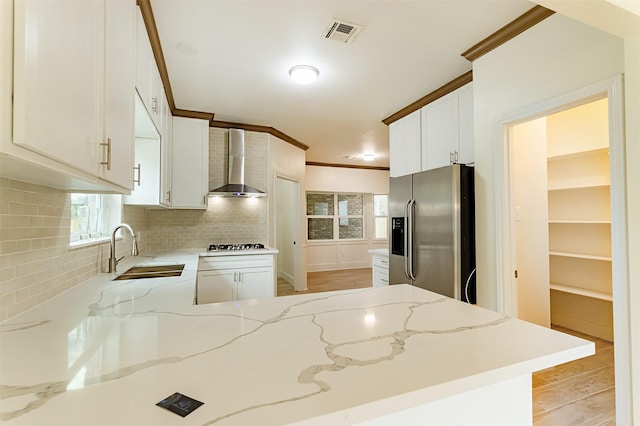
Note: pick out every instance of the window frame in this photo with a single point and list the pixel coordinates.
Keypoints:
(336, 217)
(104, 212)
(375, 217)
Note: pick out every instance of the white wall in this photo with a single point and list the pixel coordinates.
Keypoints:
(327, 256)
(340, 179)
(554, 57)
(557, 56)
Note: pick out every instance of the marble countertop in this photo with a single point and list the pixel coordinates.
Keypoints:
(106, 352)
(380, 251)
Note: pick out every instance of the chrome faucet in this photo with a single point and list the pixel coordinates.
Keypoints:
(113, 262)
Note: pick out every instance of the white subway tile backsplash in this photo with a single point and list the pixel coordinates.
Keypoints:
(36, 262)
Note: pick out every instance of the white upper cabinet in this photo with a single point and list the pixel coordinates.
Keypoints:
(166, 153)
(72, 85)
(148, 81)
(405, 145)
(118, 148)
(58, 58)
(439, 132)
(190, 163)
(447, 129)
(465, 125)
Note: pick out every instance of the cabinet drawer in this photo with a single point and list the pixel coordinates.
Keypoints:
(380, 262)
(234, 262)
(380, 277)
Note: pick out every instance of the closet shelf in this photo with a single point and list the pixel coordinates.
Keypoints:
(580, 256)
(581, 291)
(582, 222)
(579, 187)
(579, 154)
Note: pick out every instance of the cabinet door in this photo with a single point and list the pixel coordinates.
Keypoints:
(166, 143)
(465, 125)
(255, 283)
(397, 163)
(412, 141)
(119, 94)
(144, 59)
(404, 145)
(146, 188)
(215, 286)
(190, 163)
(58, 54)
(440, 132)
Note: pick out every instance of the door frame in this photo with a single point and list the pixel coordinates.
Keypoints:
(612, 89)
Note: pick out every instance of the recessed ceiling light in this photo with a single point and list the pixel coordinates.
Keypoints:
(368, 157)
(304, 74)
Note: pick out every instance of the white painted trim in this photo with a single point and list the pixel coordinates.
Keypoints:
(611, 88)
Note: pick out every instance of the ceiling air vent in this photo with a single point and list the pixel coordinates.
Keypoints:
(342, 31)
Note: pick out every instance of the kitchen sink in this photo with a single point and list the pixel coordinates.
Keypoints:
(155, 271)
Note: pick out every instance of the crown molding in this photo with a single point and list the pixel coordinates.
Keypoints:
(454, 84)
(193, 114)
(519, 25)
(257, 128)
(346, 166)
(154, 39)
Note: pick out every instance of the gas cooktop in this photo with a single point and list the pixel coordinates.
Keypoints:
(243, 246)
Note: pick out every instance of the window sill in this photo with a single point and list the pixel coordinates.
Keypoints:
(88, 243)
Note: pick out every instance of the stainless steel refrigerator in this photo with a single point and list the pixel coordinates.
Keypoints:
(432, 238)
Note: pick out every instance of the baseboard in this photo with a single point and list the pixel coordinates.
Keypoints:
(337, 266)
(285, 276)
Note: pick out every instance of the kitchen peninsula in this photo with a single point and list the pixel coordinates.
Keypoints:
(106, 352)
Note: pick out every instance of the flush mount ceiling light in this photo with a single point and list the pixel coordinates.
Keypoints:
(368, 157)
(304, 74)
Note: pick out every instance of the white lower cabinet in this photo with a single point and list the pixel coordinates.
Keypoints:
(228, 278)
(380, 276)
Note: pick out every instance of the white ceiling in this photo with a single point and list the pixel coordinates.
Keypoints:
(232, 58)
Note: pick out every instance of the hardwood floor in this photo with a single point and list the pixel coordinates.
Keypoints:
(581, 392)
(330, 280)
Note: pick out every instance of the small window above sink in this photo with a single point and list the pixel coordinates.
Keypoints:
(154, 271)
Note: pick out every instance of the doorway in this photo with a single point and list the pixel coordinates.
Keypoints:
(561, 185)
(287, 229)
(508, 286)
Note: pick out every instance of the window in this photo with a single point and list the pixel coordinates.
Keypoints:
(92, 216)
(335, 216)
(380, 203)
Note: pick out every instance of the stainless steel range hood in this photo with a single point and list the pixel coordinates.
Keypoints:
(235, 186)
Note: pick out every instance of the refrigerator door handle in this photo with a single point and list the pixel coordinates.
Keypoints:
(410, 209)
(406, 240)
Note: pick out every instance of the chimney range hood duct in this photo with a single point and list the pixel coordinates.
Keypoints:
(235, 186)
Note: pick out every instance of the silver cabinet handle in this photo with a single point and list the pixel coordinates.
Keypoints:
(139, 169)
(108, 162)
(154, 104)
(169, 196)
